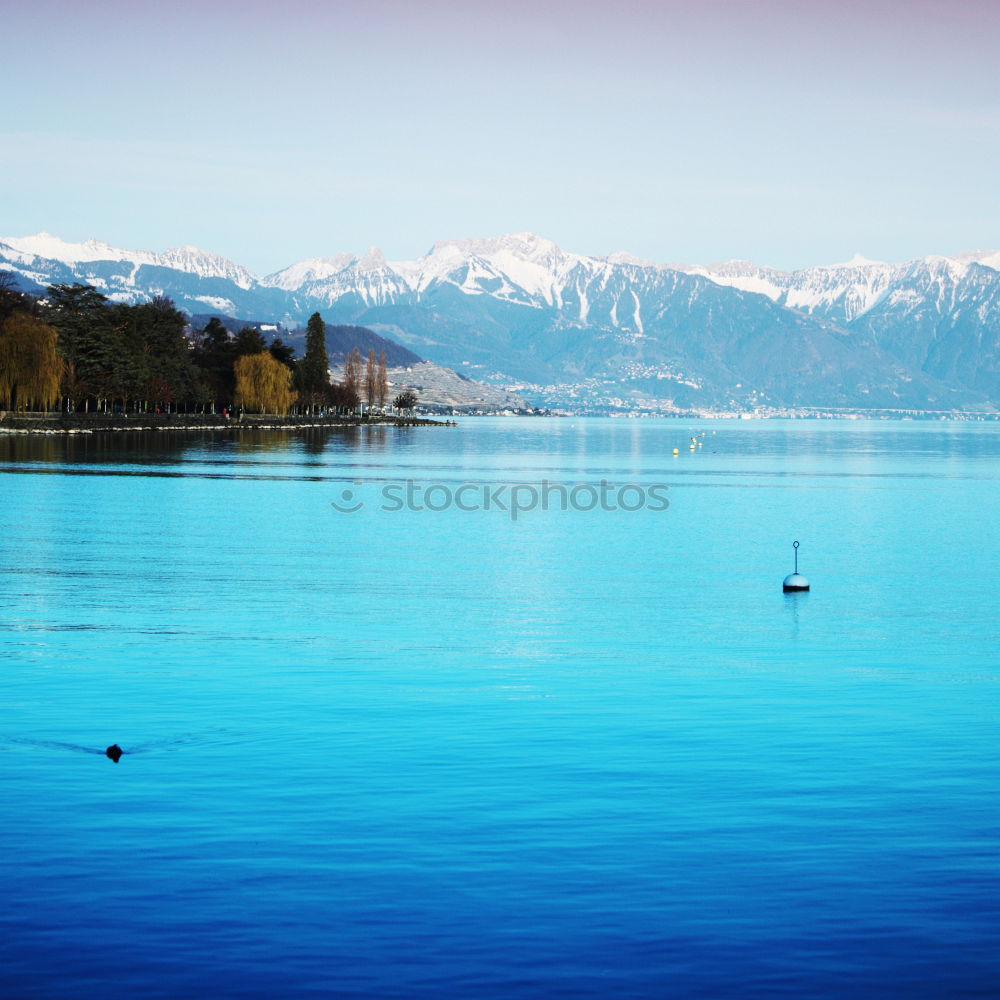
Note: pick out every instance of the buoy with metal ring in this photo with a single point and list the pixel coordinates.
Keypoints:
(795, 582)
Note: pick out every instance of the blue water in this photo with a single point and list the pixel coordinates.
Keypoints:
(447, 754)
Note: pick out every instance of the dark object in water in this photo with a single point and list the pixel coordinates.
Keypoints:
(114, 752)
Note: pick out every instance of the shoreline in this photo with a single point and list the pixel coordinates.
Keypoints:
(79, 423)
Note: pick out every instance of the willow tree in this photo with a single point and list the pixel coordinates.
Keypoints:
(30, 367)
(263, 384)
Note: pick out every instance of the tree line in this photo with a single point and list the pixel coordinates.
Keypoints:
(77, 351)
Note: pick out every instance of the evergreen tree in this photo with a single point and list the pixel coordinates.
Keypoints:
(314, 369)
(282, 352)
(89, 342)
(131, 372)
(169, 369)
(215, 355)
(249, 341)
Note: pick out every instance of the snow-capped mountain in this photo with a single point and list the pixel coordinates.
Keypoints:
(845, 292)
(307, 271)
(522, 268)
(937, 314)
(196, 280)
(921, 334)
(188, 259)
(840, 292)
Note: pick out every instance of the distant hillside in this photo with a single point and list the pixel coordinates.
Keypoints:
(340, 340)
(441, 390)
(267, 327)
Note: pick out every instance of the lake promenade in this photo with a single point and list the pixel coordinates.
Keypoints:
(91, 423)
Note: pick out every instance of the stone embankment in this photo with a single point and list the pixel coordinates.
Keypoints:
(90, 423)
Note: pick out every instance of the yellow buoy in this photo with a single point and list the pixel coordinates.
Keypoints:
(677, 451)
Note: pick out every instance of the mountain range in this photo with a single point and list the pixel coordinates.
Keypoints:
(609, 332)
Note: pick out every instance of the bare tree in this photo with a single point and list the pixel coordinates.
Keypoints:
(382, 382)
(352, 376)
(371, 379)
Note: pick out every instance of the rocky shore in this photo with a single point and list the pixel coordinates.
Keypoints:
(91, 423)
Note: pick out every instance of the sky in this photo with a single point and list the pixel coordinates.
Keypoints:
(789, 133)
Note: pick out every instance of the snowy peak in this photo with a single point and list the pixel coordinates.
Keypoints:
(524, 246)
(189, 259)
(518, 267)
(623, 257)
(988, 258)
(844, 292)
(306, 272)
(504, 253)
(374, 260)
(522, 269)
(53, 248)
(858, 260)
(205, 265)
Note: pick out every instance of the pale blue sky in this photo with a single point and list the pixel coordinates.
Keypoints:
(789, 133)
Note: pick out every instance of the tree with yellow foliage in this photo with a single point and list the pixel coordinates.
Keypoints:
(263, 384)
(30, 368)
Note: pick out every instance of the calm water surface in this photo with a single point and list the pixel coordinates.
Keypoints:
(444, 754)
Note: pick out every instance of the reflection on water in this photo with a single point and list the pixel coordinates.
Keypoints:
(144, 448)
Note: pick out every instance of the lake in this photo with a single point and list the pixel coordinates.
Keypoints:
(396, 751)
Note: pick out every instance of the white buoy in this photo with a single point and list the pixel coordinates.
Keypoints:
(795, 582)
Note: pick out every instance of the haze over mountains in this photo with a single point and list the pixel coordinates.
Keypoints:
(609, 332)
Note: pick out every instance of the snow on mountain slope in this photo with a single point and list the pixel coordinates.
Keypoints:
(988, 258)
(53, 248)
(840, 292)
(189, 259)
(205, 265)
(307, 271)
(519, 269)
(27, 262)
(744, 275)
(529, 263)
(529, 270)
(843, 292)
